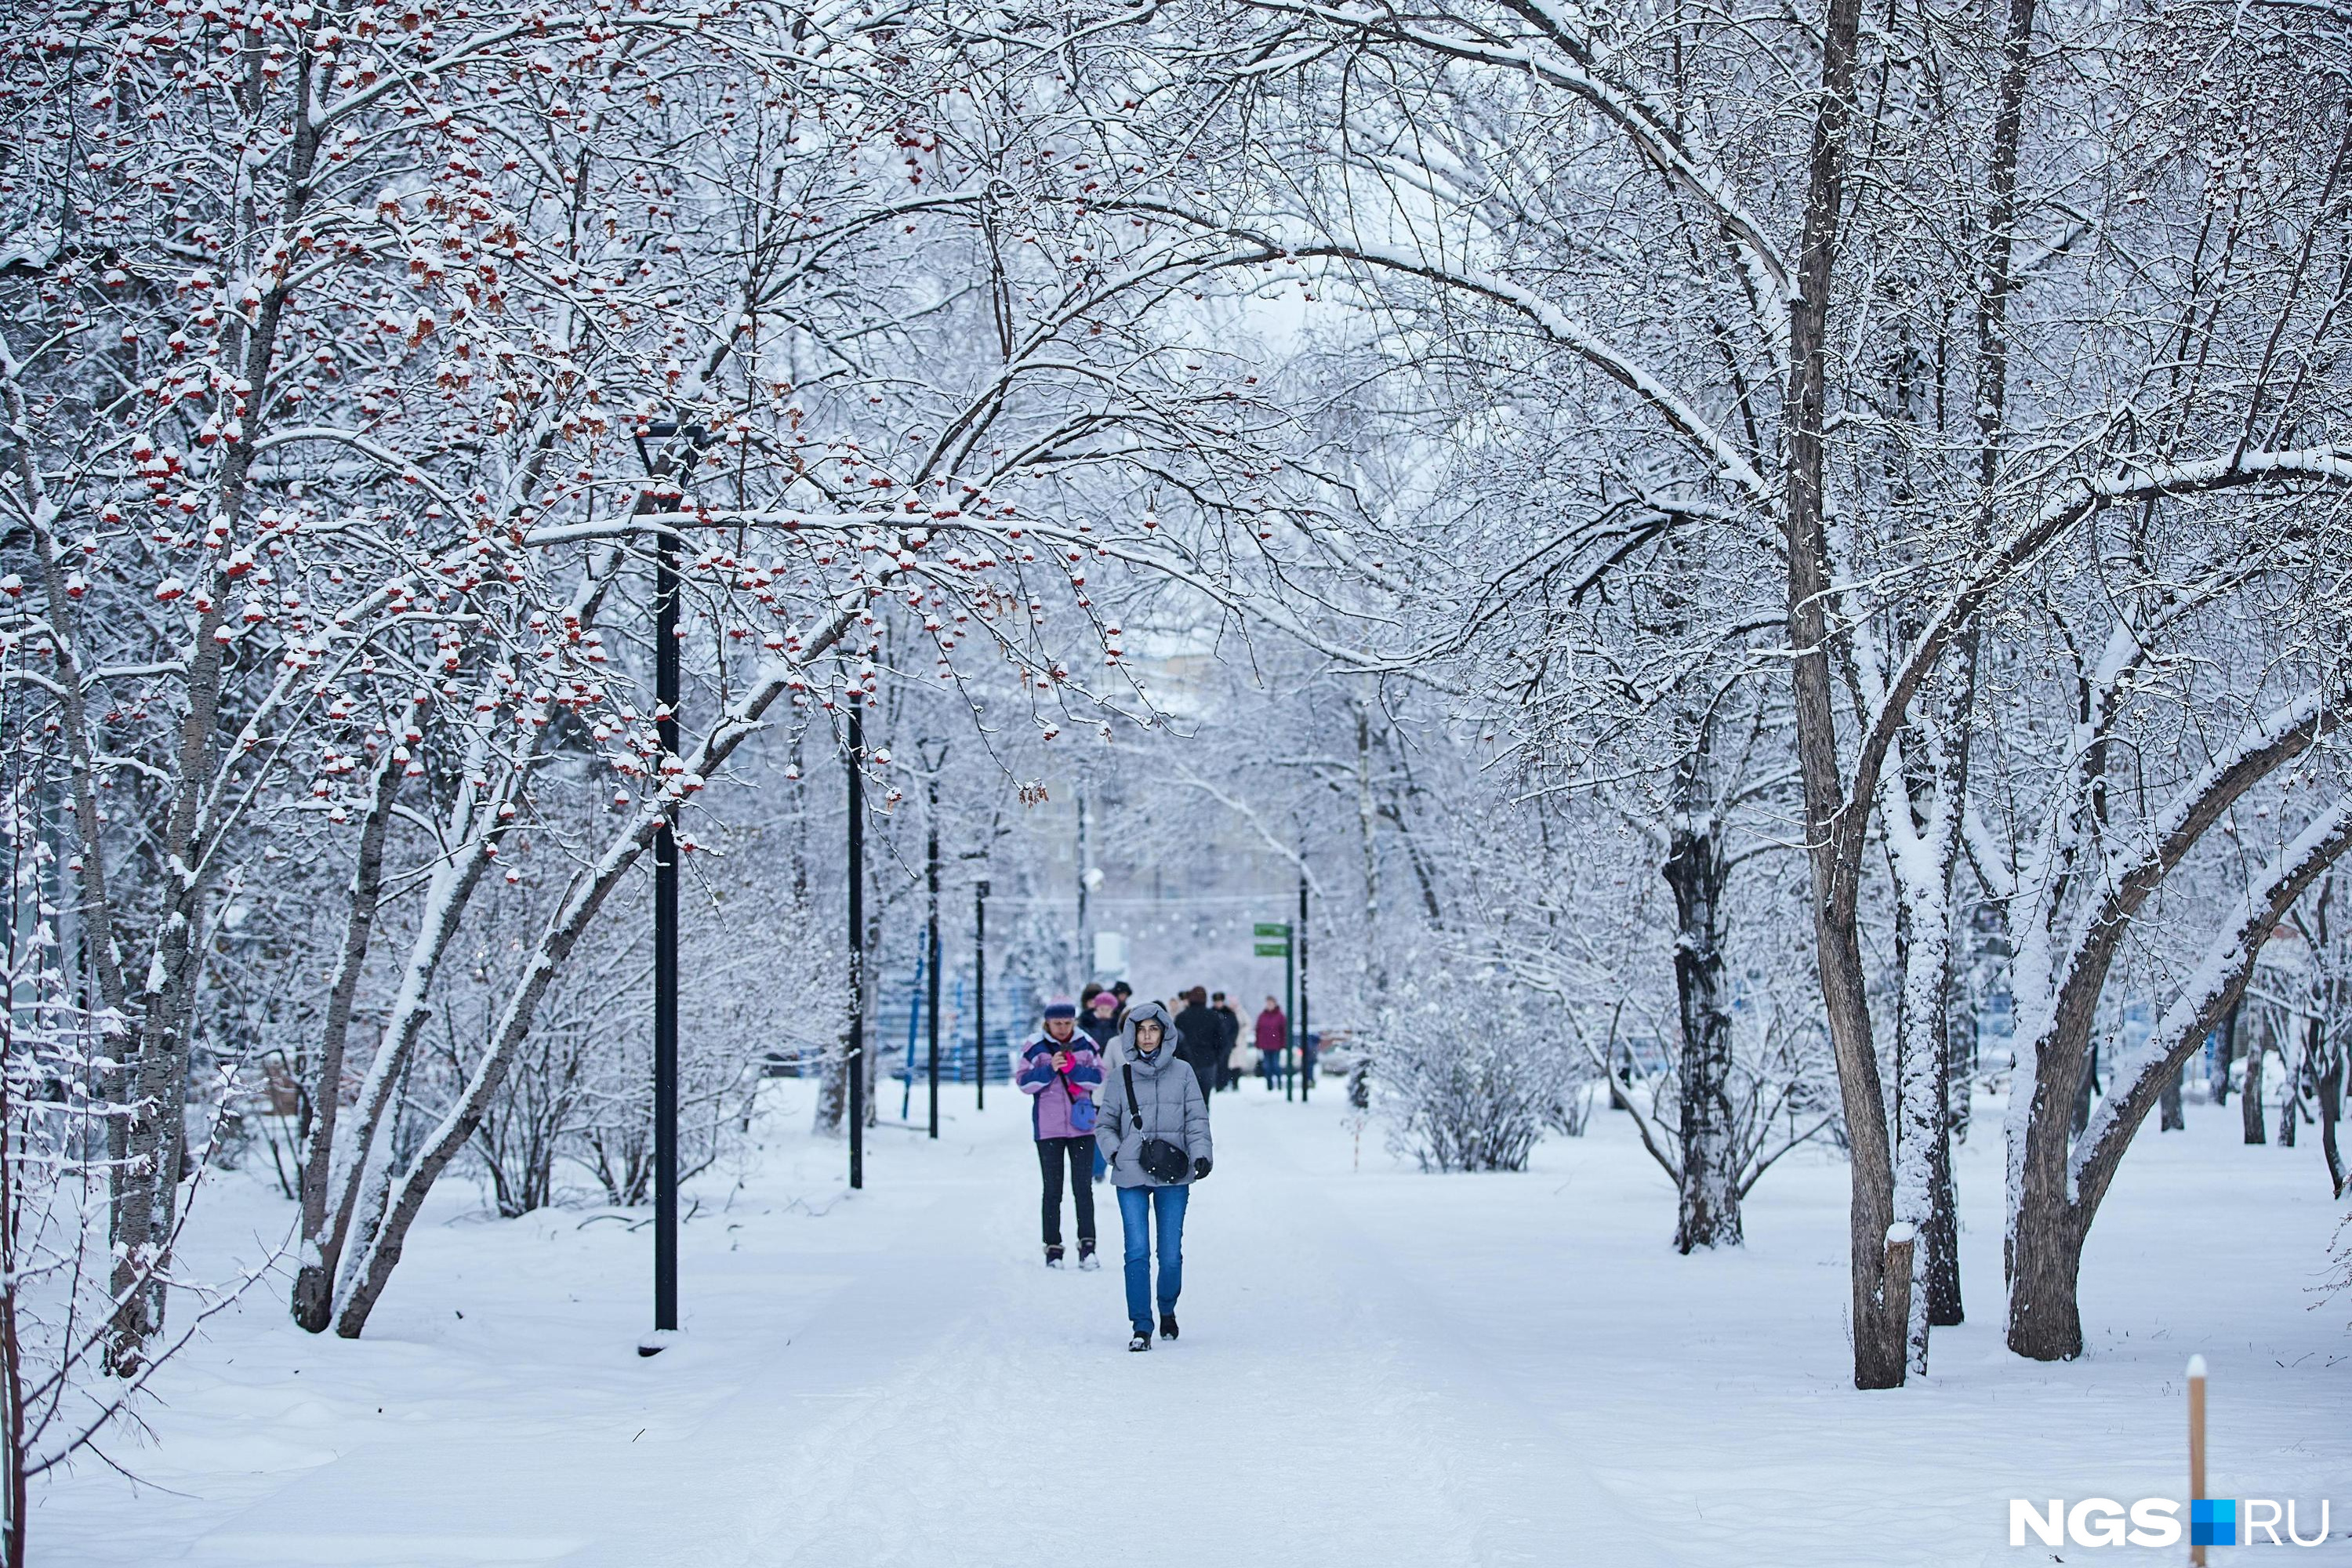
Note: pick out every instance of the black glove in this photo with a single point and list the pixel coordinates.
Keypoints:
(1200, 1169)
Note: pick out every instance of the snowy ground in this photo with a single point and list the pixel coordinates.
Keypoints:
(1378, 1367)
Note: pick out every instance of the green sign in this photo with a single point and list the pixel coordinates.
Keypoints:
(1265, 929)
(1274, 950)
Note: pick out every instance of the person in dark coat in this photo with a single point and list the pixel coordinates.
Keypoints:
(1228, 1075)
(1200, 1038)
(1100, 1023)
(1101, 1020)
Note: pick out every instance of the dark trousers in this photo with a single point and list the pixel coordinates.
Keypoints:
(1078, 1154)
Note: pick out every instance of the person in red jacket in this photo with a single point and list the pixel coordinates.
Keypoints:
(1273, 1033)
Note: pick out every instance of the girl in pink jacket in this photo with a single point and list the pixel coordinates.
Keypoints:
(1060, 1072)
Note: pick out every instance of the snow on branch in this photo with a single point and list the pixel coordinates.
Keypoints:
(1648, 126)
(2079, 499)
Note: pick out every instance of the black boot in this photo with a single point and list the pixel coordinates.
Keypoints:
(1140, 1340)
(1087, 1253)
(1052, 1254)
(1167, 1325)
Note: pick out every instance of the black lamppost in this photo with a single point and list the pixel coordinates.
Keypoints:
(1306, 1052)
(980, 992)
(855, 1053)
(935, 755)
(666, 727)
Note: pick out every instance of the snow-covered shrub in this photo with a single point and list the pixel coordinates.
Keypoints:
(1469, 1079)
(731, 1004)
(1573, 1111)
(573, 1116)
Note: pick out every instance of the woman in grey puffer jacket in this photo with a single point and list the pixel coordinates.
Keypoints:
(1154, 1086)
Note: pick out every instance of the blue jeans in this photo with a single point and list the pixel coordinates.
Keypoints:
(1135, 1204)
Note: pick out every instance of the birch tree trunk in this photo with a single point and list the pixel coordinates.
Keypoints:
(1917, 810)
(1697, 871)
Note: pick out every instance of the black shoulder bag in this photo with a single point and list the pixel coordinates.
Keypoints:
(1162, 1160)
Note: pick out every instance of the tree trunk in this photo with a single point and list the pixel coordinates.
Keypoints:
(356, 1171)
(1697, 869)
(2058, 1187)
(2249, 1109)
(382, 1240)
(2045, 1320)
(1833, 840)
(147, 1179)
(2329, 1085)
(2295, 1080)
(2042, 1249)
(313, 1281)
(869, 981)
(831, 1093)
(1921, 1133)
(1941, 1274)
(1368, 839)
(2168, 1116)
(360, 1171)
(1921, 796)
(2225, 1048)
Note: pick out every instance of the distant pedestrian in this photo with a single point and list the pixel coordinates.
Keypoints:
(1154, 1131)
(1273, 1033)
(1126, 994)
(1060, 1072)
(1200, 1038)
(1101, 1021)
(1229, 1065)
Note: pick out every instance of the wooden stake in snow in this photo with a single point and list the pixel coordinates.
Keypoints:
(2196, 1449)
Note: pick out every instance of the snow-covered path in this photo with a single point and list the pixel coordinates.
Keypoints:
(1378, 1367)
(936, 1395)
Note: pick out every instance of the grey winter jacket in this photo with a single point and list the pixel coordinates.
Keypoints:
(1166, 1093)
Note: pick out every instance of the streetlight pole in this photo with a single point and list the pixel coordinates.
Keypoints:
(932, 999)
(980, 992)
(855, 1056)
(666, 726)
(1086, 959)
(1306, 1052)
(1290, 1004)
(934, 758)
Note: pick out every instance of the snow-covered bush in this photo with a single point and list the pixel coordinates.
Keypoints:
(738, 1008)
(1468, 1080)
